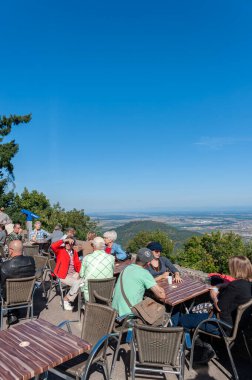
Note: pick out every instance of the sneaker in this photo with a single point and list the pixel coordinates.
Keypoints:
(67, 305)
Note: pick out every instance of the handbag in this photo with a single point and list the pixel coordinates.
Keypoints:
(148, 310)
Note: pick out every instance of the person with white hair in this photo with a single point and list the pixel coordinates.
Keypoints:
(6, 221)
(112, 247)
(97, 265)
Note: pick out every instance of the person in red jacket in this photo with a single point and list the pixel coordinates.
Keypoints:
(67, 268)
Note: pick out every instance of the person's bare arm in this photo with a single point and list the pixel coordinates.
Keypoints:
(162, 276)
(158, 291)
(177, 277)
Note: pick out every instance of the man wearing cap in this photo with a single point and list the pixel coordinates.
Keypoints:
(136, 280)
(67, 268)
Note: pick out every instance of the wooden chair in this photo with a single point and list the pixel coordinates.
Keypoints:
(41, 267)
(101, 290)
(224, 330)
(19, 294)
(96, 329)
(31, 250)
(154, 348)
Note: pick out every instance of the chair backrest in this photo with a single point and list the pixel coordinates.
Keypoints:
(240, 311)
(158, 345)
(19, 290)
(52, 264)
(98, 321)
(40, 261)
(103, 287)
(31, 250)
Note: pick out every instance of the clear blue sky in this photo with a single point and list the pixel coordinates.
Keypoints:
(135, 104)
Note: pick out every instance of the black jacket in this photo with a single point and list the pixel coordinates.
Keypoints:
(17, 267)
(234, 294)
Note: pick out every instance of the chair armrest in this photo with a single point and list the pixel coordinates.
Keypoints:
(120, 319)
(217, 321)
(95, 348)
(68, 324)
(107, 301)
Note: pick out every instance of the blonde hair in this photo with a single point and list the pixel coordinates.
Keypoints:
(240, 267)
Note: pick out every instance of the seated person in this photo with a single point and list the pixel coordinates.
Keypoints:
(160, 267)
(2, 239)
(226, 301)
(96, 265)
(57, 233)
(112, 247)
(136, 279)
(67, 268)
(38, 233)
(6, 221)
(87, 246)
(70, 233)
(16, 234)
(18, 266)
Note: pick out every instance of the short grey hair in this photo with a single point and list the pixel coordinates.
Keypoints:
(98, 243)
(112, 235)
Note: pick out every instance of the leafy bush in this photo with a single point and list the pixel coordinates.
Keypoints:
(210, 252)
(144, 237)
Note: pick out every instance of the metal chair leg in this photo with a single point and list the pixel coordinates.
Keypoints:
(2, 311)
(192, 351)
(49, 293)
(232, 362)
(246, 345)
(61, 295)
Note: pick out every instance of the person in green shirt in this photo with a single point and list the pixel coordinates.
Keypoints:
(97, 265)
(136, 279)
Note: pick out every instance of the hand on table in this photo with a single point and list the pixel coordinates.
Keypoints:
(177, 278)
(164, 276)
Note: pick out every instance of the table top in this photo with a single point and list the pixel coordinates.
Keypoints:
(32, 243)
(120, 265)
(31, 348)
(184, 291)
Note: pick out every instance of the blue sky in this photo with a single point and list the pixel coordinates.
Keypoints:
(136, 105)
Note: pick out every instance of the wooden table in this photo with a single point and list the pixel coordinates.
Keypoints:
(47, 347)
(184, 291)
(121, 265)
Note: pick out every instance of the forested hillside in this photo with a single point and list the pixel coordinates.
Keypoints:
(129, 230)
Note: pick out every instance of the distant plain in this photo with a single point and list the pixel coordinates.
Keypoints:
(201, 222)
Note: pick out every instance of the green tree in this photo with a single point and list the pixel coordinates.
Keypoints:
(50, 215)
(8, 151)
(144, 237)
(248, 250)
(210, 252)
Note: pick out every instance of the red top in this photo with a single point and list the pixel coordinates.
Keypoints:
(63, 260)
(108, 250)
(224, 277)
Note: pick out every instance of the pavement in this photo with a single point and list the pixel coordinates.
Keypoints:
(218, 368)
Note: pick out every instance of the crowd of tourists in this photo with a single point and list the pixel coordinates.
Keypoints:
(96, 259)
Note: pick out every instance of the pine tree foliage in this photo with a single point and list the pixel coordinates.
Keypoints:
(8, 150)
